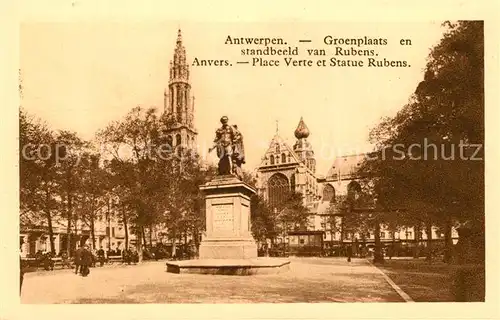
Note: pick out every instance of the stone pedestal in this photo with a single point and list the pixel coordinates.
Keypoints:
(228, 225)
(228, 247)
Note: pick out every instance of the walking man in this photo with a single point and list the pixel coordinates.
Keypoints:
(78, 256)
(100, 256)
(349, 253)
(86, 260)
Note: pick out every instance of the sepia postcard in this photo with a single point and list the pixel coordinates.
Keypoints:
(196, 161)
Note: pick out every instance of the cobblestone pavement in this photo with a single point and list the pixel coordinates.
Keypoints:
(308, 280)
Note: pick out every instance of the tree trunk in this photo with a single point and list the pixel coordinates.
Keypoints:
(92, 230)
(392, 251)
(416, 249)
(49, 223)
(125, 225)
(143, 235)
(151, 237)
(174, 239)
(196, 240)
(108, 218)
(69, 215)
(448, 241)
(378, 257)
(76, 228)
(51, 232)
(139, 244)
(429, 240)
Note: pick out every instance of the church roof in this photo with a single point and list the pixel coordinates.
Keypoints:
(278, 140)
(345, 166)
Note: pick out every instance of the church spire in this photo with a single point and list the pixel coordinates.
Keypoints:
(178, 101)
(179, 36)
(179, 70)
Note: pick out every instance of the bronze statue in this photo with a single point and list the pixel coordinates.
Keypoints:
(230, 151)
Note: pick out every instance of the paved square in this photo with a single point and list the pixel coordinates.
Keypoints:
(309, 280)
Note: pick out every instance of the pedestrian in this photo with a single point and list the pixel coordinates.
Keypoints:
(86, 260)
(100, 255)
(349, 253)
(78, 258)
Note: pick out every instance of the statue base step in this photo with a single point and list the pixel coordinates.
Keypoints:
(236, 267)
(228, 249)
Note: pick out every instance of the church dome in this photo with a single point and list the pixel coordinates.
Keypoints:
(302, 131)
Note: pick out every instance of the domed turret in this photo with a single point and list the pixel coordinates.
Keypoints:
(302, 131)
(302, 148)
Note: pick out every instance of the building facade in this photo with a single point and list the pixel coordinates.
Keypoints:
(286, 168)
(109, 234)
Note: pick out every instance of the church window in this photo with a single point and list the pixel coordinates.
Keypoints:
(283, 158)
(277, 148)
(179, 103)
(272, 159)
(329, 193)
(353, 190)
(278, 189)
(171, 97)
(178, 140)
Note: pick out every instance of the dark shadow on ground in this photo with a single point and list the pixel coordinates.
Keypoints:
(423, 281)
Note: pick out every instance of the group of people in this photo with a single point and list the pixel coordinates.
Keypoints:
(83, 260)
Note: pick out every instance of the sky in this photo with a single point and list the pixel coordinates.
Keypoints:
(80, 76)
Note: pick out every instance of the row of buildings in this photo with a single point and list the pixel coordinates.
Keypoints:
(108, 234)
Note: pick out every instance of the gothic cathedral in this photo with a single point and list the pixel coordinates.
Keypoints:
(284, 169)
(178, 103)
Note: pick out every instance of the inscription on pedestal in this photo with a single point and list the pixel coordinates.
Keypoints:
(223, 219)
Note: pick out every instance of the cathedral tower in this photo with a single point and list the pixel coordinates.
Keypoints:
(178, 103)
(303, 148)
